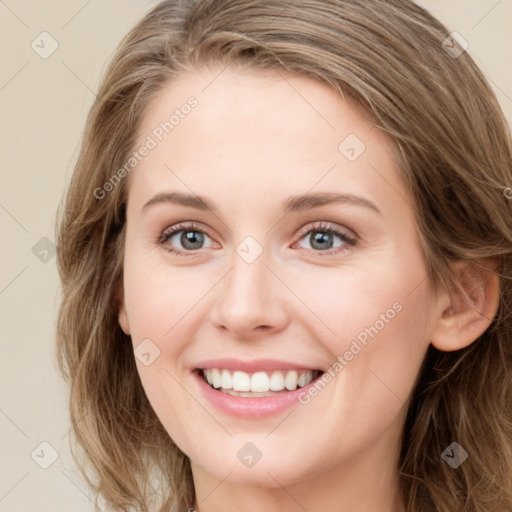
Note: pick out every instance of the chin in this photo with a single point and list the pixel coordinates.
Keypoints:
(269, 472)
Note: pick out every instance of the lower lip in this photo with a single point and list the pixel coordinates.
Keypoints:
(247, 407)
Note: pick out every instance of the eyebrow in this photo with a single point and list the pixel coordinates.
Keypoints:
(298, 203)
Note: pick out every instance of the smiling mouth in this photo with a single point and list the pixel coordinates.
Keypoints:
(257, 384)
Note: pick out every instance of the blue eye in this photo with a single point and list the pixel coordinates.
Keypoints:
(190, 237)
(185, 239)
(322, 238)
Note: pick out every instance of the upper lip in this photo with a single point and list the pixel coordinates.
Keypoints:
(253, 365)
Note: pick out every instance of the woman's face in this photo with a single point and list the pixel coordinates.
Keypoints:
(269, 238)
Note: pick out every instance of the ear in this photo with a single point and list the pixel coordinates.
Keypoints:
(123, 315)
(468, 309)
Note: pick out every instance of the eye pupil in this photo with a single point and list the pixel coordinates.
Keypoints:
(322, 238)
(192, 237)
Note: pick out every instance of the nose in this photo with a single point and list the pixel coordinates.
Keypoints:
(250, 302)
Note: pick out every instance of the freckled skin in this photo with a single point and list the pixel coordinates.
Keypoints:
(249, 144)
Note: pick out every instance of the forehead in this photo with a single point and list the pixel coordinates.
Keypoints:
(260, 128)
(256, 99)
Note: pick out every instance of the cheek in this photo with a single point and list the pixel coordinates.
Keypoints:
(159, 297)
(382, 355)
(375, 324)
(158, 302)
(377, 299)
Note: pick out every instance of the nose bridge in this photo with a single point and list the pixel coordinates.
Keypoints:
(248, 299)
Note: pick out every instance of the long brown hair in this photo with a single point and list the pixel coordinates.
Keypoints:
(455, 149)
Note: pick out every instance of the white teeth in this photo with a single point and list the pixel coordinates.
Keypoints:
(227, 381)
(277, 381)
(304, 379)
(261, 383)
(241, 381)
(291, 380)
(246, 394)
(216, 377)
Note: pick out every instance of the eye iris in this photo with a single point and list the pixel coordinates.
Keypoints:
(192, 237)
(323, 239)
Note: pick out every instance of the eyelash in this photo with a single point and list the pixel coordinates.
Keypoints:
(320, 227)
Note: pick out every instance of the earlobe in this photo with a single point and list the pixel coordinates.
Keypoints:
(123, 320)
(123, 316)
(469, 308)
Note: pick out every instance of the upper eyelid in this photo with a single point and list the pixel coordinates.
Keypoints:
(324, 225)
(184, 226)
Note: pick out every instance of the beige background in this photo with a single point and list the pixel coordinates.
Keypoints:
(43, 104)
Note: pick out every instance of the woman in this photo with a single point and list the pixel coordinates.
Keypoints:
(286, 256)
